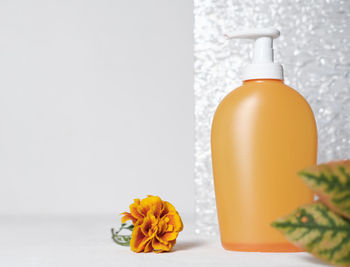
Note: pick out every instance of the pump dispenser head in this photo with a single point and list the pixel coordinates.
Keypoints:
(262, 66)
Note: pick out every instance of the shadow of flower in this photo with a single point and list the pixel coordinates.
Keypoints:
(185, 245)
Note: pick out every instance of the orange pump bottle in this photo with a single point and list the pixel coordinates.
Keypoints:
(262, 133)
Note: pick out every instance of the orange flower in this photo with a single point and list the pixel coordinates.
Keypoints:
(156, 225)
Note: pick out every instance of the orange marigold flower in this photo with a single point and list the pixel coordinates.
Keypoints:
(156, 225)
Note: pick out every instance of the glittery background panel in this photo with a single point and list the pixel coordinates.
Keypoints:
(314, 50)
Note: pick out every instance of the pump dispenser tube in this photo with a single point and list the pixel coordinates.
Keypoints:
(262, 66)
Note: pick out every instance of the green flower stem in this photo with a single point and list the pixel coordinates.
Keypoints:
(123, 240)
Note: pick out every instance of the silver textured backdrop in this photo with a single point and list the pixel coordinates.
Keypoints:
(314, 49)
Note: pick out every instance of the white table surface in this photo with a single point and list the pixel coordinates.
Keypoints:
(85, 241)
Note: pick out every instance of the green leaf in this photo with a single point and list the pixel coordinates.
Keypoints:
(318, 230)
(123, 240)
(331, 182)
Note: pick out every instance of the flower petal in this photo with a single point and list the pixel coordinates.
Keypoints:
(149, 225)
(167, 208)
(162, 225)
(138, 240)
(153, 203)
(148, 247)
(161, 240)
(160, 247)
(170, 236)
(175, 220)
(134, 209)
(170, 228)
(127, 216)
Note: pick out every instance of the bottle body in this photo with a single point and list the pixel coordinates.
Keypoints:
(262, 134)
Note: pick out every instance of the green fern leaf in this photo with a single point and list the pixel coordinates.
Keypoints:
(316, 229)
(331, 182)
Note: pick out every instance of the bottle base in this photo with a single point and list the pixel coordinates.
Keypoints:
(262, 247)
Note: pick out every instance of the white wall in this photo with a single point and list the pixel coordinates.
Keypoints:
(96, 104)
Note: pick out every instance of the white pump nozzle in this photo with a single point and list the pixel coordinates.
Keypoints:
(262, 66)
